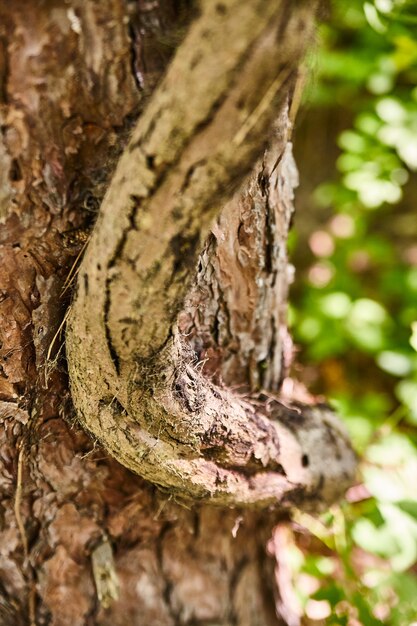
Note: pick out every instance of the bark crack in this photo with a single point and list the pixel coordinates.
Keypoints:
(109, 279)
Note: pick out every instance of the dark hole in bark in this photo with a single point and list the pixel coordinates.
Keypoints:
(305, 461)
(183, 248)
(263, 183)
(90, 202)
(116, 407)
(176, 214)
(15, 173)
(241, 234)
(279, 469)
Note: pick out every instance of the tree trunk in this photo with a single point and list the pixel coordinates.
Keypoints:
(175, 346)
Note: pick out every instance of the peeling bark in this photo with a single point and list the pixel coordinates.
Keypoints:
(235, 317)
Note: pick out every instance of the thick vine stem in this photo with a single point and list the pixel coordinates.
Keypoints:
(134, 381)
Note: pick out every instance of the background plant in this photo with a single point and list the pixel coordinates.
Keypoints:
(355, 314)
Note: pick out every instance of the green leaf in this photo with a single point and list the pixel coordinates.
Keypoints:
(332, 593)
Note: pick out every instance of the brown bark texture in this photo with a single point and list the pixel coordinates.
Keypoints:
(174, 355)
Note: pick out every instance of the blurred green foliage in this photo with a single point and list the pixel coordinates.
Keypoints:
(354, 316)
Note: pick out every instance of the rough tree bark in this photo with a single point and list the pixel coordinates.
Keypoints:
(176, 338)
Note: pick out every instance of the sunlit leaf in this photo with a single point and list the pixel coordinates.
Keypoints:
(394, 363)
(393, 449)
(413, 338)
(336, 305)
(391, 110)
(406, 391)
